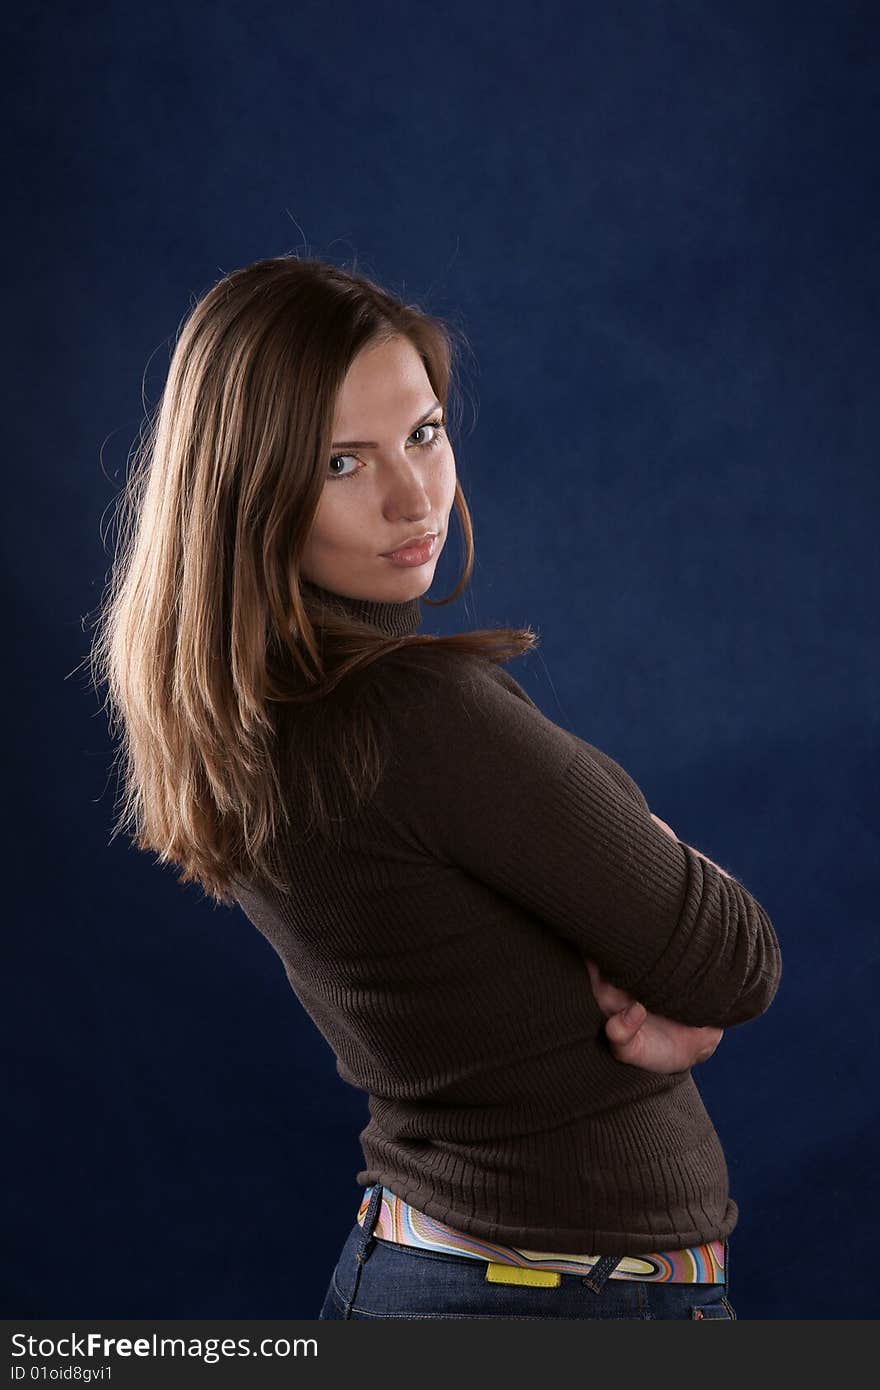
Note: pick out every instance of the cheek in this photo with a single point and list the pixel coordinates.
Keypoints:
(447, 479)
(337, 516)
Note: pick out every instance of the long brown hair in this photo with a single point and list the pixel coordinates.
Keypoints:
(204, 631)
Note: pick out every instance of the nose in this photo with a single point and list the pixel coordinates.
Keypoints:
(407, 495)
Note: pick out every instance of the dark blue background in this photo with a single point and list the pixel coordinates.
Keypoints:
(657, 223)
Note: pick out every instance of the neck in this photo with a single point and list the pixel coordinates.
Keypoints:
(396, 618)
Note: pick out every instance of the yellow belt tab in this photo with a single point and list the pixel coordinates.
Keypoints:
(513, 1274)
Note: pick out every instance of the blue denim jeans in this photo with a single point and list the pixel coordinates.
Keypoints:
(380, 1279)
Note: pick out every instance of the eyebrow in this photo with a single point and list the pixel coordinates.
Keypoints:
(371, 444)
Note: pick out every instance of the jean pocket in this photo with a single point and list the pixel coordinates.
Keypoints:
(334, 1305)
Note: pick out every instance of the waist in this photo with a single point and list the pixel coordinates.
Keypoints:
(404, 1224)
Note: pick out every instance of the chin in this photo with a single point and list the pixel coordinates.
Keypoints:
(413, 584)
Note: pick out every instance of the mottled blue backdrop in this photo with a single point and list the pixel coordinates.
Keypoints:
(657, 225)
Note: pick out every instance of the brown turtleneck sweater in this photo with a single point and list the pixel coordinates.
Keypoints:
(439, 948)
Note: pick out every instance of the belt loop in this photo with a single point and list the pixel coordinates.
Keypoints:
(365, 1241)
(371, 1218)
(595, 1280)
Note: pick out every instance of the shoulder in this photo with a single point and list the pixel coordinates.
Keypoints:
(436, 704)
(459, 702)
(433, 678)
(449, 719)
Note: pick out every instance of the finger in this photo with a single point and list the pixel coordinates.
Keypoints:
(663, 826)
(711, 1043)
(629, 1048)
(622, 1027)
(603, 993)
(609, 998)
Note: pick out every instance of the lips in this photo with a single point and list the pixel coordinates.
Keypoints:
(413, 543)
(414, 554)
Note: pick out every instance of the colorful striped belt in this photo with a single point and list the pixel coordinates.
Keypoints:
(405, 1225)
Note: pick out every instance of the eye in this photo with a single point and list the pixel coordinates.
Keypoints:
(436, 426)
(340, 458)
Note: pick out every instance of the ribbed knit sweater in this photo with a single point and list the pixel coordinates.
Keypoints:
(439, 944)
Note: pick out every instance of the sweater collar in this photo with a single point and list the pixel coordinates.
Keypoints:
(394, 617)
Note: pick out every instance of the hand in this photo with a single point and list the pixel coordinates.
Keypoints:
(646, 1040)
(669, 831)
(662, 824)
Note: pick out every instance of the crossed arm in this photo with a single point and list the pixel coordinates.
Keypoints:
(643, 1039)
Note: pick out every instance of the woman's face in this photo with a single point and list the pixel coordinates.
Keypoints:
(391, 476)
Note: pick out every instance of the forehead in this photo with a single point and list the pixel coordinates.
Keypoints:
(383, 380)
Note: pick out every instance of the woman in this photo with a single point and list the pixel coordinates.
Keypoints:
(465, 896)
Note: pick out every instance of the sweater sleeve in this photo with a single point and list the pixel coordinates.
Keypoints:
(614, 770)
(484, 781)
